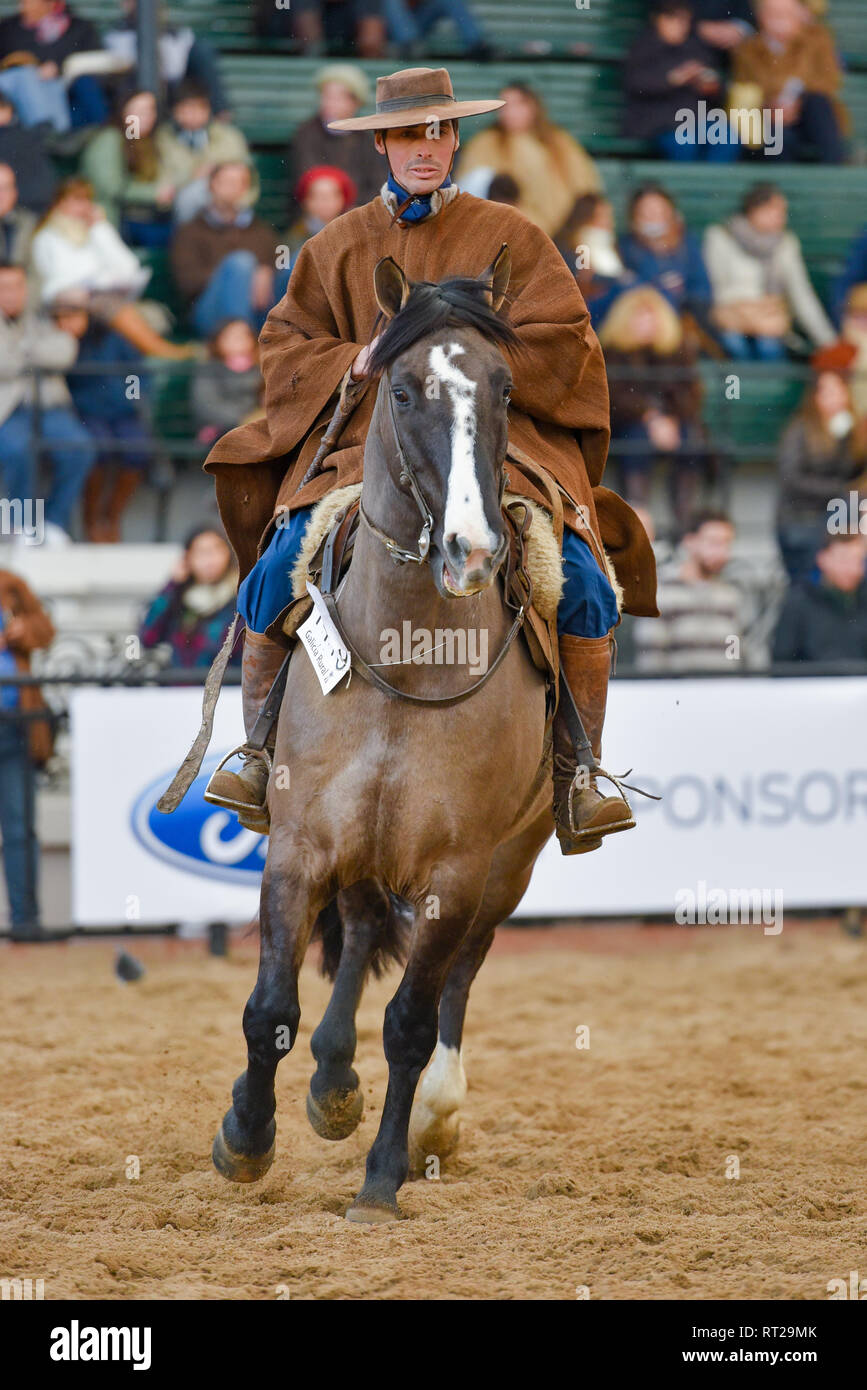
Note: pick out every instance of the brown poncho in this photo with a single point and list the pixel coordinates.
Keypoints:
(559, 413)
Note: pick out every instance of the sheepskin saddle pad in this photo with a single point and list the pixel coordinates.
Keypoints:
(544, 562)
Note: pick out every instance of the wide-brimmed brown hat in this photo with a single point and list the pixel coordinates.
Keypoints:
(415, 96)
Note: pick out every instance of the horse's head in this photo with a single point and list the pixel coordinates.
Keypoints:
(441, 413)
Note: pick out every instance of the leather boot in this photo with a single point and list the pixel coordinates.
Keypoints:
(582, 813)
(244, 792)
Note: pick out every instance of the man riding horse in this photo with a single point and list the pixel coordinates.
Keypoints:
(315, 349)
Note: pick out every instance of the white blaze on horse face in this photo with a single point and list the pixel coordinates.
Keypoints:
(465, 511)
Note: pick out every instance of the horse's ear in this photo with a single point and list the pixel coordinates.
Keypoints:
(497, 276)
(390, 286)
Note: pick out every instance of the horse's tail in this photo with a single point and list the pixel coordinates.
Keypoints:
(393, 943)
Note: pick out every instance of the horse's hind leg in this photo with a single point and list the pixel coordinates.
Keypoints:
(335, 1102)
(434, 1128)
(244, 1147)
(409, 1034)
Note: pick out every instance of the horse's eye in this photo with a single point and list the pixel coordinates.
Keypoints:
(507, 394)
(401, 396)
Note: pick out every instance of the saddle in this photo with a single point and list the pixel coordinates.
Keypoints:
(333, 552)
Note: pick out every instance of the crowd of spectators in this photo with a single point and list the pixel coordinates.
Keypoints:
(98, 177)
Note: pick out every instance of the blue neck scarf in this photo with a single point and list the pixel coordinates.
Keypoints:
(419, 208)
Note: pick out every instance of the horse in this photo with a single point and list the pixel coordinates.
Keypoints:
(407, 828)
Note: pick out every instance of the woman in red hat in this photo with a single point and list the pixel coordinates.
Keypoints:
(322, 193)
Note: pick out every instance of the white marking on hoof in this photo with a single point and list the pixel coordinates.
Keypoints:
(435, 1121)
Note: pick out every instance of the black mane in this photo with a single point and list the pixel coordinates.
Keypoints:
(461, 302)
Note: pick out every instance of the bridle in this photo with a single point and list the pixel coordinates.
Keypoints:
(398, 552)
(518, 591)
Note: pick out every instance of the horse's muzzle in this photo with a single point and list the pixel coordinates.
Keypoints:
(468, 570)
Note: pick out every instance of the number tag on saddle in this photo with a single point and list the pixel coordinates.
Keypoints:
(330, 658)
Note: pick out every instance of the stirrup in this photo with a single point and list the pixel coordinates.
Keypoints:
(238, 806)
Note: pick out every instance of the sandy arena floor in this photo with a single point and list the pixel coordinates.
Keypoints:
(602, 1167)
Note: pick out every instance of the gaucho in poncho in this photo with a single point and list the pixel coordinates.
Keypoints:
(559, 417)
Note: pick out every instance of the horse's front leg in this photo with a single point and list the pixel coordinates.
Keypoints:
(244, 1147)
(409, 1035)
(335, 1102)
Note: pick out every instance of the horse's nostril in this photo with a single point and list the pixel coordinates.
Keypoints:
(458, 547)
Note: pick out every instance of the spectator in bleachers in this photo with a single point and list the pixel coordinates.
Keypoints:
(343, 89)
(224, 260)
(17, 225)
(760, 282)
(51, 33)
(193, 612)
(76, 251)
(322, 194)
(723, 24)
(656, 398)
(822, 456)
(853, 276)
(343, 26)
(227, 393)
(824, 618)
(123, 164)
(551, 169)
(29, 339)
(660, 251)
(182, 55)
(853, 331)
(25, 627)
(589, 247)
(110, 412)
(410, 21)
(22, 149)
(192, 144)
(701, 610)
(669, 72)
(792, 63)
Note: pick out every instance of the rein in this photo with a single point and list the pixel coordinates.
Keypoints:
(518, 592)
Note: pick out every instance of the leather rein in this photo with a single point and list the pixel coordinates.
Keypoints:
(518, 589)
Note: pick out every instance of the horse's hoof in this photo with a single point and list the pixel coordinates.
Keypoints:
(437, 1136)
(337, 1114)
(373, 1213)
(240, 1167)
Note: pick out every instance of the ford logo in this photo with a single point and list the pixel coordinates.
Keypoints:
(198, 838)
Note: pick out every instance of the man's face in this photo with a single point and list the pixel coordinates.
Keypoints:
(230, 185)
(420, 155)
(843, 564)
(711, 546)
(8, 190)
(13, 292)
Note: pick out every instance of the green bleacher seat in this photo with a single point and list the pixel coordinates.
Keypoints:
(749, 426)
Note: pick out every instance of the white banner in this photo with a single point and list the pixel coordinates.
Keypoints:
(764, 787)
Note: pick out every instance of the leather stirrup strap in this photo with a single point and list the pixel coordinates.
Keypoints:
(567, 710)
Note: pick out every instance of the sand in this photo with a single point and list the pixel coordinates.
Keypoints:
(600, 1168)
